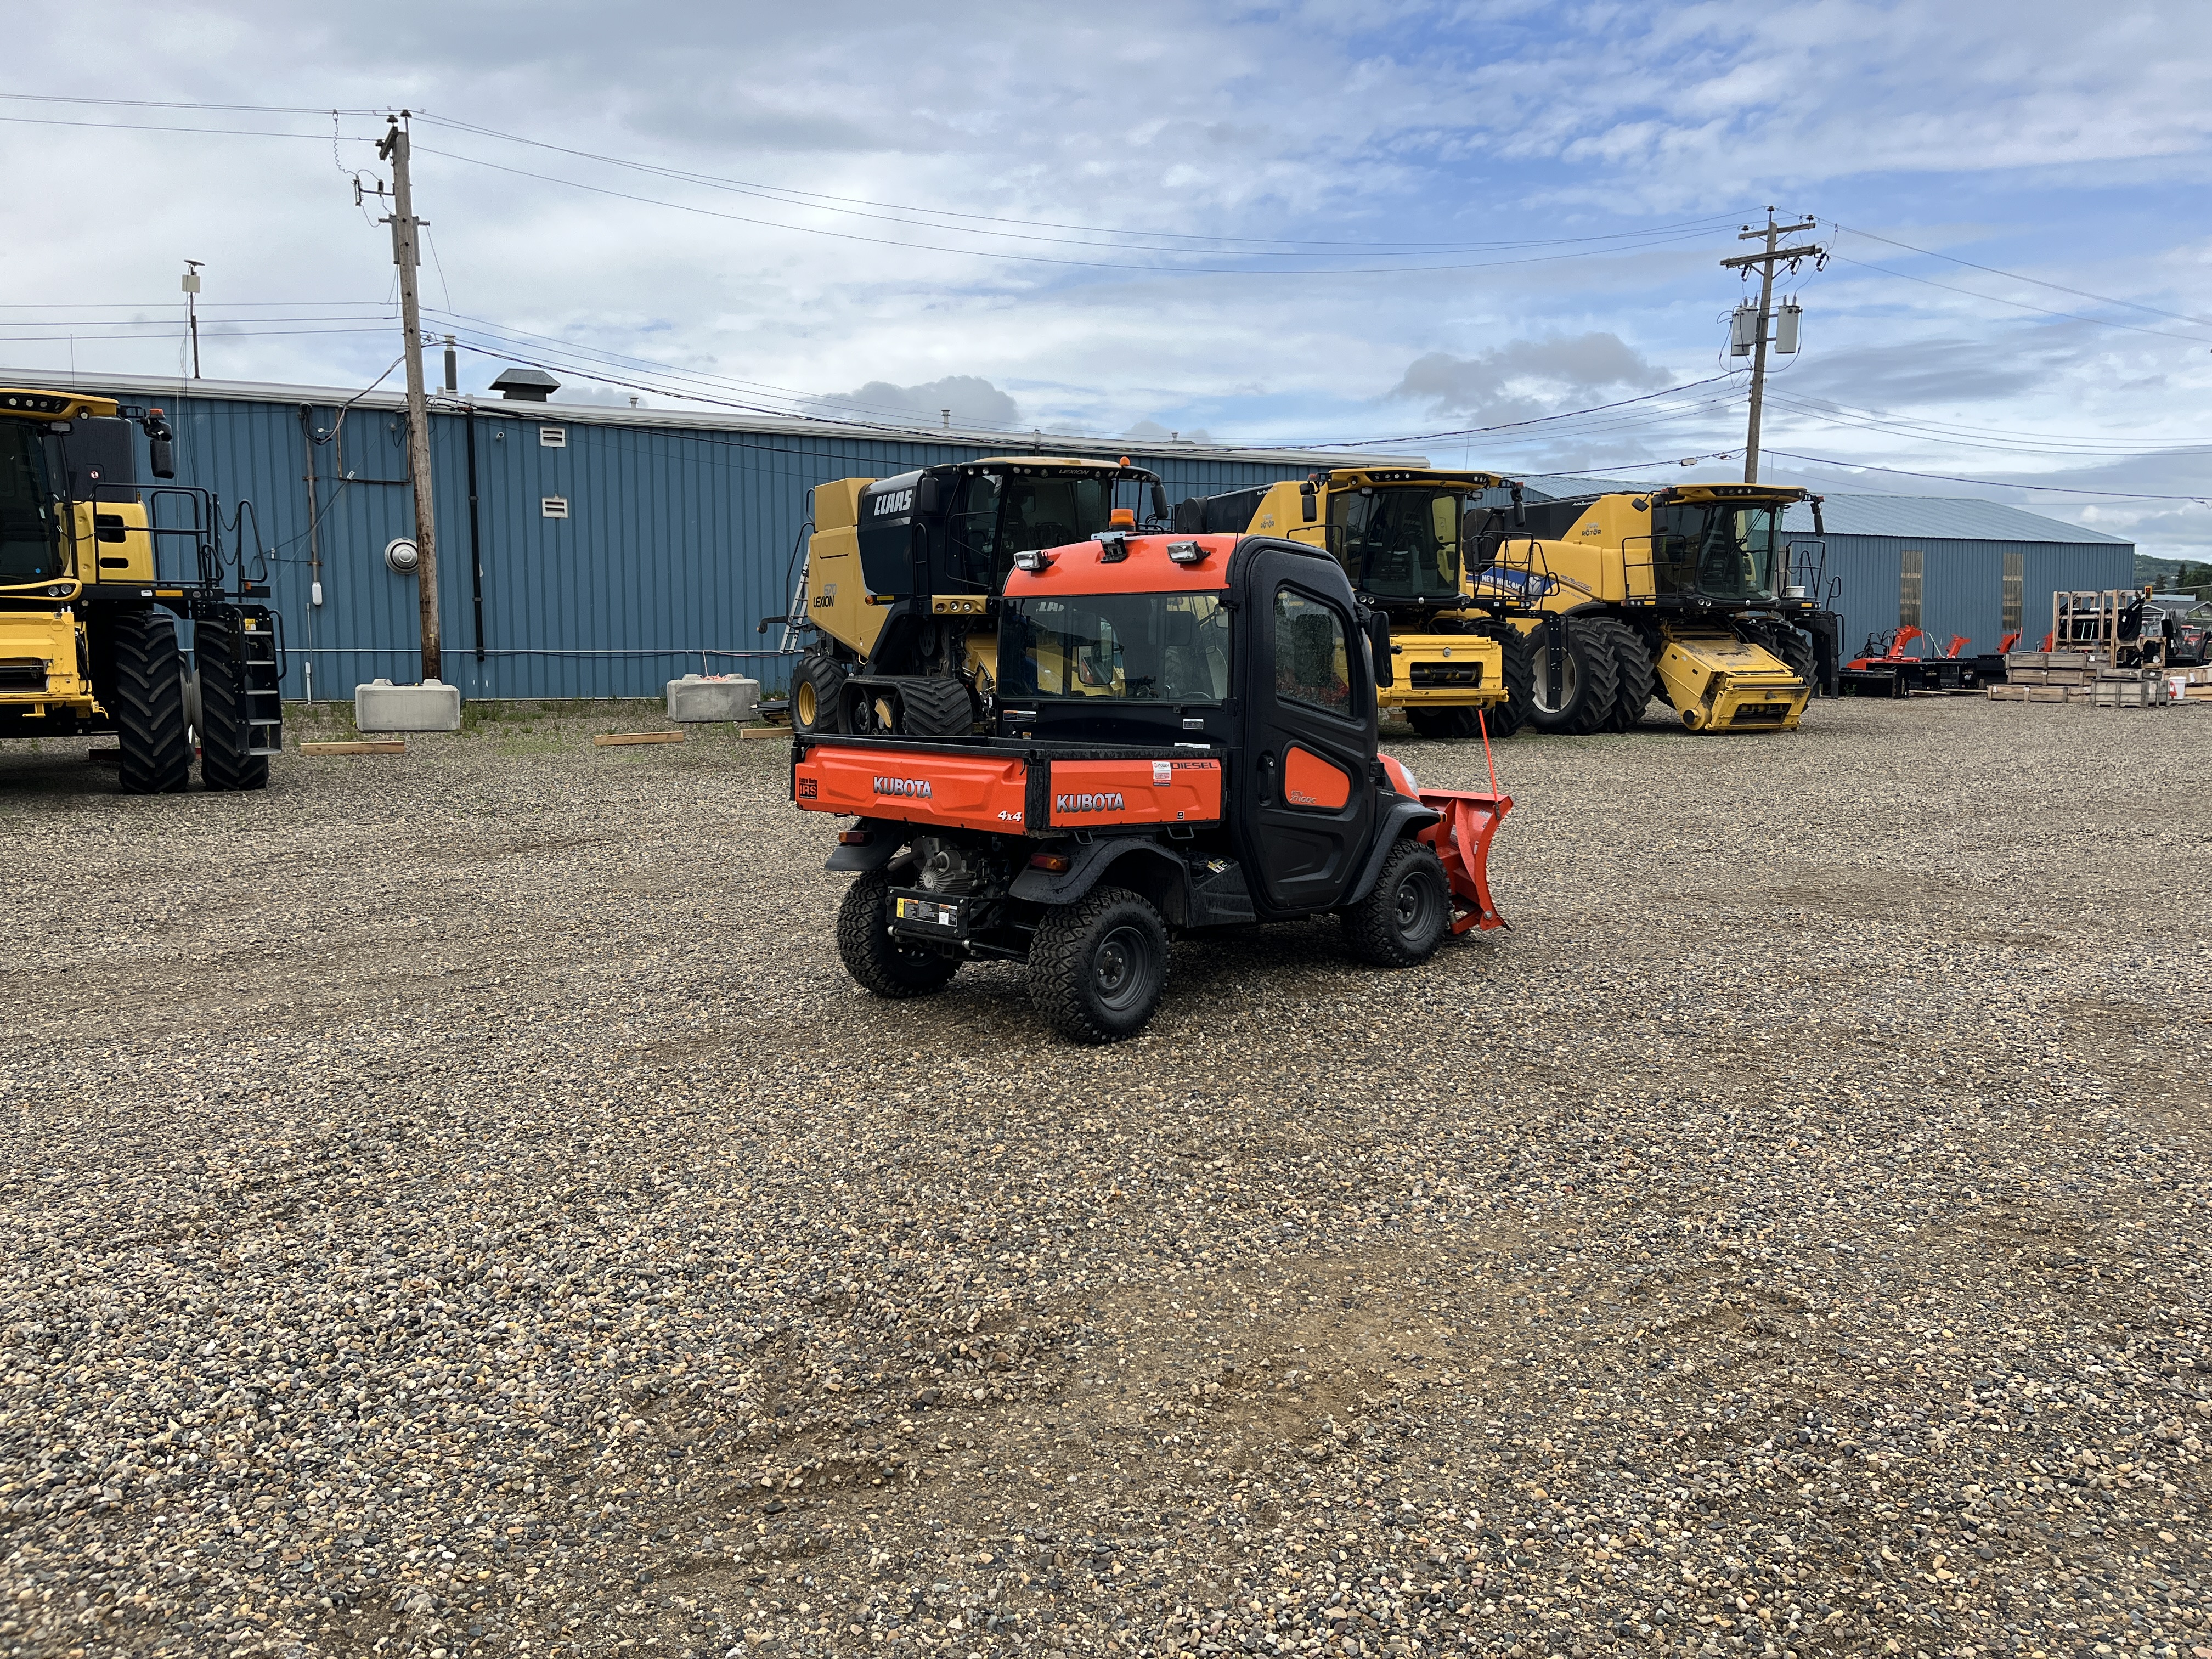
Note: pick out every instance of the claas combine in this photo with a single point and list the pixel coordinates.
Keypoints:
(1692, 594)
(96, 570)
(1413, 542)
(1184, 738)
(899, 601)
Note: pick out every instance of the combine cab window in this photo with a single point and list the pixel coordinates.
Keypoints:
(1398, 543)
(1312, 665)
(973, 532)
(30, 546)
(1142, 647)
(1715, 551)
(996, 516)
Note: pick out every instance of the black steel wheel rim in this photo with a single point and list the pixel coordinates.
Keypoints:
(1414, 899)
(1122, 968)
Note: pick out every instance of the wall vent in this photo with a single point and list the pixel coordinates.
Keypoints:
(552, 437)
(554, 506)
(2016, 592)
(1908, 588)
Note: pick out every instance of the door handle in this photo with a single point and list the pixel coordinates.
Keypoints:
(1267, 779)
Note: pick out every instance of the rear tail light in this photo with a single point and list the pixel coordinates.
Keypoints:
(1053, 861)
(855, 837)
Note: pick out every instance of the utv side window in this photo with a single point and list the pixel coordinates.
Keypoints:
(1312, 663)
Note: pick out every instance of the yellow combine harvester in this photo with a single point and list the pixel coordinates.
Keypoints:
(1691, 593)
(88, 604)
(1411, 540)
(900, 599)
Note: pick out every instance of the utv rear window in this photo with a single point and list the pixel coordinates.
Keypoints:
(1140, 648)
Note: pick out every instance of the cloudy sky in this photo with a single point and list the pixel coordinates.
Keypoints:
(1265, 224)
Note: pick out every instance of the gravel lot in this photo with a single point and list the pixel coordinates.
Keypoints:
(456, 1203)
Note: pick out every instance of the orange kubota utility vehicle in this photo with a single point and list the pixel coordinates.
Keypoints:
(1184, 738)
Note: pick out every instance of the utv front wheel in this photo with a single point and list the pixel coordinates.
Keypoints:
(1402, 919)
(880, 962)
(1097, 966)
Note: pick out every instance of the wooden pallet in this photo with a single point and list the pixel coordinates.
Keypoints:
(618, 740)
(364, 746)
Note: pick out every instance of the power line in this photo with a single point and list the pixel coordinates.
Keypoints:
(2018, 276)
(2022, 305)
(141, 126)
(161, 103)
(1992, 484)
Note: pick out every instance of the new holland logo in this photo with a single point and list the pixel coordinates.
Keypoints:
(1109, 801)
(917, 789)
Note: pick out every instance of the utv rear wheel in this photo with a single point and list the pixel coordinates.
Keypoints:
(1097, 966)
(225, 733)
(1403, 918)
(1442, 722)
(816, 690)
(1590, 683)
(880, 962)
(149, 704)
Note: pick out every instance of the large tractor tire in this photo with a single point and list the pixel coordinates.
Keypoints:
(148, 705)
(225, 729)
(1634, 675)
(817, 690)
(1097, 966)
(1795, 647)
(1502, 720)
(1441, 723)
(936, 707)
(1589, 680)
(1404, 916)
(881, 963)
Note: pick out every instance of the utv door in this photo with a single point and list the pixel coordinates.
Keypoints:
(1309, 732)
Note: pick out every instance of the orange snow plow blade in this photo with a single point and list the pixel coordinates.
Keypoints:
(1461, 840)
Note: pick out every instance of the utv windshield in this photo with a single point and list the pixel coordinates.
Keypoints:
(1398, 543)
(1716, 551)
(994, 517)
(1139, 647)
(30, 546)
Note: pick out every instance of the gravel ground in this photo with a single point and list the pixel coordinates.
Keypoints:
(456, 1204)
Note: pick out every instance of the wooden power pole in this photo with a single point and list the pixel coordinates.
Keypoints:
(407, 254)
(1766, 261)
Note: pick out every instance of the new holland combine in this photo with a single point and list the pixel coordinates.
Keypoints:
(1184, 738)
(900, 598)
(1414, 543)
(96, 569)
(1690, 593)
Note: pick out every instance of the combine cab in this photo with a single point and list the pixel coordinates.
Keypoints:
(96, 569)
(1410, 541)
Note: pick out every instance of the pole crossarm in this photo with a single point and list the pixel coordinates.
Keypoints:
(1809, 251)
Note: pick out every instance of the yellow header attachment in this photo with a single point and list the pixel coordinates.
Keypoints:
(55, 406)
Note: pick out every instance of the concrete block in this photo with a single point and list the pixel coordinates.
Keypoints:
(714, 697)
(433, 706)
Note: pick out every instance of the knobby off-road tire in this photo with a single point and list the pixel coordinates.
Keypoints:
(149, 704)
(936, 707)
(219, 648)
(1634, 676)
(1502, 720)
(1589, 685)
(1405, 916)
(1439, 723)
(1097, 966)
(817, 690)
(1795, 647)
(879, 963)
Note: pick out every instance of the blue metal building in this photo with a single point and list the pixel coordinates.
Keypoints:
(610, 550)
(1950, 565)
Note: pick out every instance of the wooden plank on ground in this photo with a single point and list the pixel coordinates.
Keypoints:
(612, 739)
(364, 746)
(752, 732)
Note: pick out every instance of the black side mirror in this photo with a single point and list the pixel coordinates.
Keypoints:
(1161, 511)
(1819, 529)
(1520, 509)
(1378, 643)
(161, 457)
(1310, 504)
(925, 495)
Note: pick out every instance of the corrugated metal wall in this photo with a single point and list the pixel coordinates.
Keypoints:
(1963, 584)
(679, 539)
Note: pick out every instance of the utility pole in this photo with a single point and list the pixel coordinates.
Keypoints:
(193, 308)
(1774, 255)
(407, 254)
